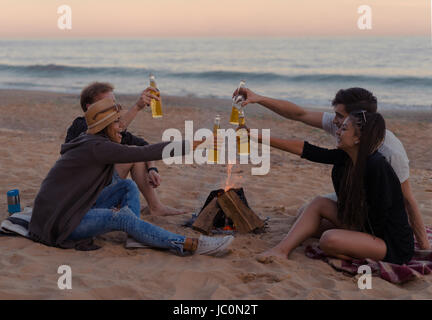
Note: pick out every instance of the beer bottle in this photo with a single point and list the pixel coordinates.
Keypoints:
(236, 101)
(156, 106)
(213, 154)
(243, 140)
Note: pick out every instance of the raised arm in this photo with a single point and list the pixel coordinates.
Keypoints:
(292, 146)
(308, 151)
(109, 152)
(284, 108)
(143, 101)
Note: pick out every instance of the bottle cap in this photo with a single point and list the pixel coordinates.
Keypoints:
(217, 119)
(13, 193)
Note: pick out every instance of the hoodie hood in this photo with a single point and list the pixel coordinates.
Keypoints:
(80, 140)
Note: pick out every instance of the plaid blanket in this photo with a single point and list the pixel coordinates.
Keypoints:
(420, 264)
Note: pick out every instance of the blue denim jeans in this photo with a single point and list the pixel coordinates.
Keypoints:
(103, 217)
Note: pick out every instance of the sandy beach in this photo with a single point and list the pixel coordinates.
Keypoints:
(33, 126)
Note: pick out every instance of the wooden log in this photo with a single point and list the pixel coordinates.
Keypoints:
(212, 195)
(245, 220)
(204, 221)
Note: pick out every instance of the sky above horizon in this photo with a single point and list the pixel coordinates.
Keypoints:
(212, 18)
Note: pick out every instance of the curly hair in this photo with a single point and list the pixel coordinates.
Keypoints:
(356, 99)
(89, 93)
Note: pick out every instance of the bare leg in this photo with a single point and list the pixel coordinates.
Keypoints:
(305, 226)
(343, 244)
(324, 224)
(139, 174)
(346, 244)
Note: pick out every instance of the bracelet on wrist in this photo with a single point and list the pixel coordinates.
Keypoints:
(152, 168)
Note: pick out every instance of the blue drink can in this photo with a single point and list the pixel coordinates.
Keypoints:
(13, 200)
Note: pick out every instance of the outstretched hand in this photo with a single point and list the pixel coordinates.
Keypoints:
(204, 143)
(248, 96)
(198, 143)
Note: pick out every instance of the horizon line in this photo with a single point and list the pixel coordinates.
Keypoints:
(214, 36)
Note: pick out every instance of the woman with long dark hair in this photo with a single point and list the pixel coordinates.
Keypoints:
(370, 217)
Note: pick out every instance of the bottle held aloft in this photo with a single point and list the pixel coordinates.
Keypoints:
(236, 104)
(213, 154)
(243, 140)
(156, 106)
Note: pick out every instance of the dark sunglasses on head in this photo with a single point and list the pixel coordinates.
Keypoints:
(361, 116)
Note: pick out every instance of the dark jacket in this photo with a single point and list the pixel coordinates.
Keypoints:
(73, 184)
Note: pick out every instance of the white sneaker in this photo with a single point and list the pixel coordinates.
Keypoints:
(213, 246)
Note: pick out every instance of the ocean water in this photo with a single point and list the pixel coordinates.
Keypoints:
(307, 71)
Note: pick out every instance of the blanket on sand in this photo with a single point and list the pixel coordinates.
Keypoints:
(420, 264)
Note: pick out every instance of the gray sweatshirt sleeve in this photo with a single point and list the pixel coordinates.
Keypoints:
(109, 152)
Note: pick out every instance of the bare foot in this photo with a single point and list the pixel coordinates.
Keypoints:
(165, 211)
(270, 255)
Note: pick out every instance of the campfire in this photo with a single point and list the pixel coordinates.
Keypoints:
(227, 210)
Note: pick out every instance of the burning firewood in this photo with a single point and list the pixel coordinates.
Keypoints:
(204, 222)
(245, 220)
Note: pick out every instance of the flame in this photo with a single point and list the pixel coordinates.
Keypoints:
(232, 180)
(228, 183)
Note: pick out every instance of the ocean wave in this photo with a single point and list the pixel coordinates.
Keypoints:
(306, 78)
(55, 70)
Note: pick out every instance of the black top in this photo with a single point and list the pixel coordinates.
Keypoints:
(386, 208)
(80, 125)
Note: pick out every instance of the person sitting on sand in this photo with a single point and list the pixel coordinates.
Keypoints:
(345, 102)
(369, 216)
(145, 174)
(74, 203)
